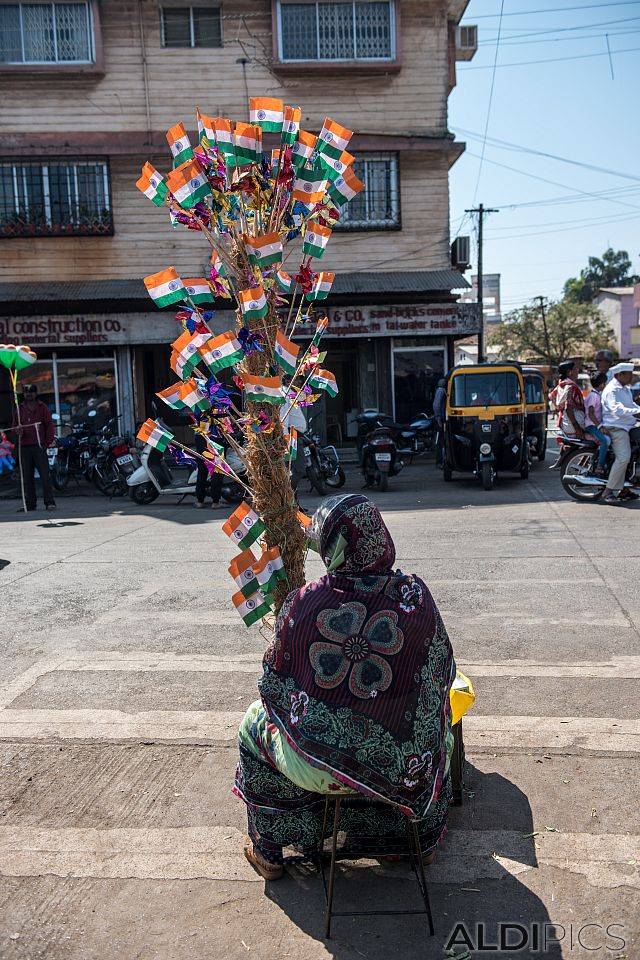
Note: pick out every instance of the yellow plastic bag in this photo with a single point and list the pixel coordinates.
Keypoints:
(462, 696)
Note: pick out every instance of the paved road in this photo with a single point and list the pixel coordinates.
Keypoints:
(124, 673)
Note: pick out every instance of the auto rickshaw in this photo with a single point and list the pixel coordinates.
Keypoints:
(535, 391)
(485, 421)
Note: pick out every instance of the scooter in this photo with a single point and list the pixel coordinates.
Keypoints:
(416, 437)
(379, 457)
(154, 477)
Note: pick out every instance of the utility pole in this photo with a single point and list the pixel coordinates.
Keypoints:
(547, 345)
(481, 211)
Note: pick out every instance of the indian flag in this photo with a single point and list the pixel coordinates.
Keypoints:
(188, 184)
(264, 251)
(309, 186)
(292, 445)
(267, 112)
(275, 160)
(290, 125)
(252, 608)
(323, 323)
(324, 380)
(180, 144)
(333, 139)
(303, 148)
(171, 396)
(180, 365)
(241, 569)
(218, 265)
(248, 143)
(263, 389)
(199, 290)
(165, 287)
(320, 288)
(156, 436)
(284, 281)
(316, 239)
(345, 188)
(221, 352)
(285, 353)
(269, 569)
(206, 128)
(244, 526)
(153, 185)
(224, 139)
(187, 346)
(193, 397)
(253, 303)
(336, 168)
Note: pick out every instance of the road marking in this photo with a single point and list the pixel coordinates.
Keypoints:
(604, 734)
(214, 853)
(621, 668)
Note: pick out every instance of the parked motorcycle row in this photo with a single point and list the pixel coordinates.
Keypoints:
(103, 457)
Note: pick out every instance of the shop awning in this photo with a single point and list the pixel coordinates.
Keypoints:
(127, 296)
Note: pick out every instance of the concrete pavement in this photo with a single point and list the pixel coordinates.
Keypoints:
(125, 670)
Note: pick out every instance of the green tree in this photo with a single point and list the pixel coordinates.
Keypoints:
(611, 270)
(563, 329)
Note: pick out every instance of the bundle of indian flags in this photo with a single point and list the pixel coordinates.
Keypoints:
(255, 577)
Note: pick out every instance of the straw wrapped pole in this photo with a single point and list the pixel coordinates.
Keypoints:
(273, 495)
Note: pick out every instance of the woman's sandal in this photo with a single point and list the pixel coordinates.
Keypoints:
(269, 871)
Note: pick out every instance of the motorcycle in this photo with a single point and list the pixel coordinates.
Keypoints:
(416, 437)
(379, 455)
(72, 456)
(155, 476)
(115, 461)
(322, 464)
(577, 463)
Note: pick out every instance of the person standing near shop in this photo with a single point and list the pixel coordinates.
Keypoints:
(439, 412)
(35, 433)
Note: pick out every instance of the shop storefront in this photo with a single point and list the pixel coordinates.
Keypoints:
(112, 355)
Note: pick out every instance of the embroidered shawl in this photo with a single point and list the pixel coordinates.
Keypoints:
(358, 675)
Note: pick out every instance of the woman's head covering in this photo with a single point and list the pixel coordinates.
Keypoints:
(352, 537)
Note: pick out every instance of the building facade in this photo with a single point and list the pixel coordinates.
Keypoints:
(89, 89)
(620, 306)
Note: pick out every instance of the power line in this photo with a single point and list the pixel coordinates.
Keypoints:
(542, 233)
(526, 63)
(584, 36)
(526, 13)
(581, 222)
(506, 145)
(554, 183)
(486, 126)
(581, 26)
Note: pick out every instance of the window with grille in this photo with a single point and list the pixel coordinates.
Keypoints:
(377, 207)
(342, 30)
(46, 33)
(55, 198)
(191, 27)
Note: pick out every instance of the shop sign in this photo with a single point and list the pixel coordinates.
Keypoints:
(405, 320)
(98, 329)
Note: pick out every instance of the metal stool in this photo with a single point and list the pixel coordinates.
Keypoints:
(413, 838)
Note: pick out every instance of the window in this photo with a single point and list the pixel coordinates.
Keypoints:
(485, 389)
(191, 27)
(55, 198)
(46, 33)
(377, 207)
(343, 30)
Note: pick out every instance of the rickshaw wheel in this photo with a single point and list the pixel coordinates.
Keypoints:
(487, 476)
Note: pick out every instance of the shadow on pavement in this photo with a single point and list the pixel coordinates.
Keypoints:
(472, 892)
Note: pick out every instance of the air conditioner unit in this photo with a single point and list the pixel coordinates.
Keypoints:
(466, 42)
(461, 253)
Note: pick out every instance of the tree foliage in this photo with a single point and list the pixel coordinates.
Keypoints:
(610, 270)
(566, 330)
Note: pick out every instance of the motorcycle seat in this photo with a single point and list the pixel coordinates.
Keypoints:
(577, 442)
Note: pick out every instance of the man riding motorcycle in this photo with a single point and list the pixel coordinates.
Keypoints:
(619, 416)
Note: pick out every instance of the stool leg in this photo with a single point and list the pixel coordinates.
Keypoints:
(416, 856)
(332, 870)
(324, 827)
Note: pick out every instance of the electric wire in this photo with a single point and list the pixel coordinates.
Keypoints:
(486, 125)
(526, 13)
(526, 63)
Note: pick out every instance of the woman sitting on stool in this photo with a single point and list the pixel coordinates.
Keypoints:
(355, 700)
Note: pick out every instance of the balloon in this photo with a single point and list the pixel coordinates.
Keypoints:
(16, 358)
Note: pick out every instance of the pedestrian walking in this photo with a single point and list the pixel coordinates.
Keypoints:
(36, 431)
(439, 406)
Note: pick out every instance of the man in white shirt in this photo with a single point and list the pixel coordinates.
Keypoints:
(619, 416)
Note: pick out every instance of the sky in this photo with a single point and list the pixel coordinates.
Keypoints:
(584, 110)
